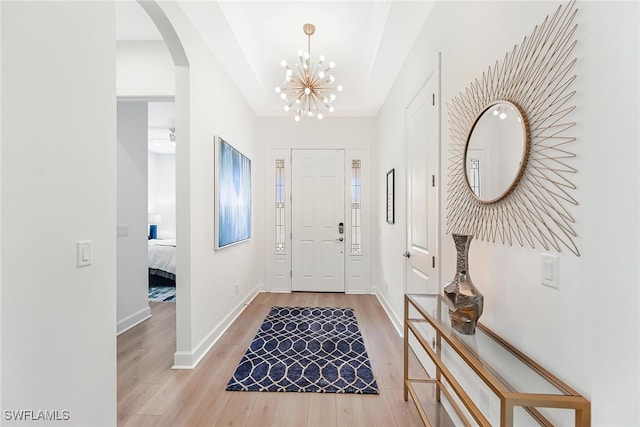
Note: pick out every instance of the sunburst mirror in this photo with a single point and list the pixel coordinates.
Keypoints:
(511, 158)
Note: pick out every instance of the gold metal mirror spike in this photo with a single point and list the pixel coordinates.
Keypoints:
(537, 76)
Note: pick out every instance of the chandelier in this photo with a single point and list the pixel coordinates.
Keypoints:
(308, 87)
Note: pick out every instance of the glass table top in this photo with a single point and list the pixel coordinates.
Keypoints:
(512, 370)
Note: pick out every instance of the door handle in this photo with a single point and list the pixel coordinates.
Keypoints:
(407, 254)
(340, 239)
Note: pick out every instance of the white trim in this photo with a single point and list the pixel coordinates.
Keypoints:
(397, 322)
(146, 92)
(133, 320)
(190, 359)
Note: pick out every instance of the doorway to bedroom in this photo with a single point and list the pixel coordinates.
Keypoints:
(146, 208)
(161, 201)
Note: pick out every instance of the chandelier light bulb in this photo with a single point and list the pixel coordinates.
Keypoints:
(333, 97)
(278, 90)
(286, 108)
(283, 95)
(300, 52)
(321, 58)
(298, 101)
(297, 118)
(283, 63)
(307, 91)
(310, 113)
(331, 109)
(331, 78)
(306, 55)
(332, 64)
(339, 88)
(320, 116)
(321, 74)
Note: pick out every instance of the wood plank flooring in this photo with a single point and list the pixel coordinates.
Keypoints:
(150, 393)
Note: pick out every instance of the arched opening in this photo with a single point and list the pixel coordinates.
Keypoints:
(178, 92)
(182, 84)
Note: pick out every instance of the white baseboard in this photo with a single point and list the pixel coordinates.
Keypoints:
(190, 359)
(397, 321)
(133, 320)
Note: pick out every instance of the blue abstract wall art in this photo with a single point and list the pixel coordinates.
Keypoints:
(233, 195)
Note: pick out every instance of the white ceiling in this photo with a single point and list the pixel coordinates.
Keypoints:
(368, 39)
(160, 122)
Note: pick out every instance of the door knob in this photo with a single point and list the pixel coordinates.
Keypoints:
(340, 239)
(407, 254)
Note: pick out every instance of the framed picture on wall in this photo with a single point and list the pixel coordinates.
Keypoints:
(232, 195)
(391, 197)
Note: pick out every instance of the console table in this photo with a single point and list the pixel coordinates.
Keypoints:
(471, 371)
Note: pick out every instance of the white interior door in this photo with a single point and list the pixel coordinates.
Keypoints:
(422, 130)
(317, 210)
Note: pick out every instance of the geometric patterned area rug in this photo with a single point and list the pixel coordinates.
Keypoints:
(306, 349)
(162, 293)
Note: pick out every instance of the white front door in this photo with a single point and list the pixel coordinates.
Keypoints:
(422, 131)
(317, 210)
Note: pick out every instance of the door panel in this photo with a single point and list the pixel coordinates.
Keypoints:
(422, 204)
(317, 207)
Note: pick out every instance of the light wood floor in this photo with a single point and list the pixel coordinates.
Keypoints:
(150, 393)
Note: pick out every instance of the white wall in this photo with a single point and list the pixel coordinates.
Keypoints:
(58, 187)
(206, 278)
(144, 68)
(162, 192)
(587, 331)
(331, 132)
(132, 274)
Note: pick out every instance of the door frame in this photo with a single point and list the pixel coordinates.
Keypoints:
(357, 266)
(435, 72)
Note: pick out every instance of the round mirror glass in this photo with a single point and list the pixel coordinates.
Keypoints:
(496, 151)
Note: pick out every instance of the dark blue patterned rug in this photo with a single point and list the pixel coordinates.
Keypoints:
(306, 349)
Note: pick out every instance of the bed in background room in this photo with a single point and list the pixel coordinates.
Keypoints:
(162, 262)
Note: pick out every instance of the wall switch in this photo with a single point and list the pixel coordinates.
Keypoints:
(84, 253)
(122, 230)
(549, 270)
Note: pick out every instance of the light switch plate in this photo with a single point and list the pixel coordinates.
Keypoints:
(122, 230)
(84, 253)
(549, 270)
